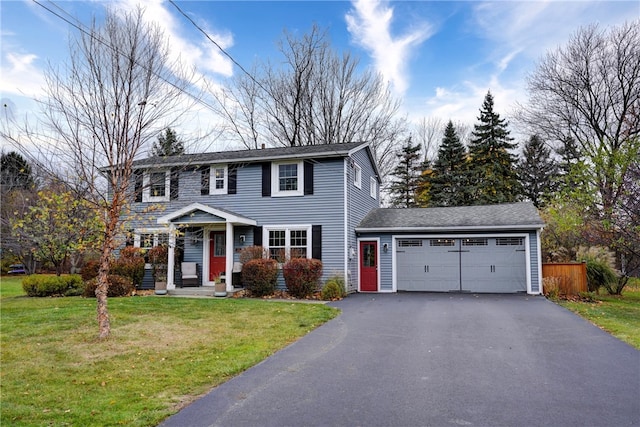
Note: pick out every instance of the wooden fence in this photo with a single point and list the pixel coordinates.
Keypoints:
(567, 278)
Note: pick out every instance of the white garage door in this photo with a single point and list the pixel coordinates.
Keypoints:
(479, 264)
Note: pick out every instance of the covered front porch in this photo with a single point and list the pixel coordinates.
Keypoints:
(211, 238)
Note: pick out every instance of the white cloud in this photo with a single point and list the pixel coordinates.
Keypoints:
(369, 22)
(20, 75)
(203, 55)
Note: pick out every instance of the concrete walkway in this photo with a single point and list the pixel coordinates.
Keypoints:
(436, 360)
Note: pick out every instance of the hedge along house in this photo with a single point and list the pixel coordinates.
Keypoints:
(493, 248)
(294, 201)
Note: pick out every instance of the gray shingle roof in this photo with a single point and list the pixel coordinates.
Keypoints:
(522, 215)
(257, 155)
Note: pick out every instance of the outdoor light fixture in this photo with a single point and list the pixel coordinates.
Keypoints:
(385, 248)
(242, 238)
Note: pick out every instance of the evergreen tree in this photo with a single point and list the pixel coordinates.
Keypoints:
(537, 171)
(450, 177)
(15, 172)
(167, 144)
(406, 176)
(423, 190)
(493, 174)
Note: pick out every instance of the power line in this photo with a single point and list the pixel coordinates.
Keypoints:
(79, 26)
(217, 45)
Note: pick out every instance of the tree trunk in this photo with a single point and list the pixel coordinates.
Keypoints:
(102, 288)
(104, 324)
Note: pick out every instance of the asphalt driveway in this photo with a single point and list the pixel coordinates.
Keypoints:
(436, 360)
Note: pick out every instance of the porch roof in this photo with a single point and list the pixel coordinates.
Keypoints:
(197, 213)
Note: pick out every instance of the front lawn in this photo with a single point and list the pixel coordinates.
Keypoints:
(618, 315)
(164, 352)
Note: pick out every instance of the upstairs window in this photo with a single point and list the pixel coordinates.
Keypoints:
(286, 179)
(373, 187)
(218, 181)
(357, 176)
(156, 186)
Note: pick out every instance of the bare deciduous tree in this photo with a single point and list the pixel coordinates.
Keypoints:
(590, 90)
(428, 134)
(318, 97)
(115, 95)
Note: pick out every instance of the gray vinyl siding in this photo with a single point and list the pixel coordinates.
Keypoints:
(360, 203)
(534, 262)
(386, 264)
(324, 207)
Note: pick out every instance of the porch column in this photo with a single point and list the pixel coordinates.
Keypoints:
(228, 269)
(171, 261)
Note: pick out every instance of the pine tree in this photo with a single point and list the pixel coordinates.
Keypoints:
(450, 177)
(167, 144)
(406, 176)
(15, 172)
(493, 174)
(537, 171)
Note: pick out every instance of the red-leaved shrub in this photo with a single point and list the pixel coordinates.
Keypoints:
(260, 276)
(302, 276)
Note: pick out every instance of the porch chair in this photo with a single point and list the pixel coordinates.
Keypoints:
(190, 275)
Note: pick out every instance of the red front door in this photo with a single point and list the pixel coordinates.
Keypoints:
(217, 254)
(369, 266)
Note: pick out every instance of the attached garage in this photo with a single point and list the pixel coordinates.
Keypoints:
(479, 249)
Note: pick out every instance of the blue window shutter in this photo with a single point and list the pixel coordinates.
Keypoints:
(257, 236)
(232, 179)
(316, 242)
(205, 176)
(174, 183)
(138, 184)
(308, 178)
(266, 179)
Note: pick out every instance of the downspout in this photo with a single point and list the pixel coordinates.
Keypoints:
(171, 257)
(228, 269)
(345, 250)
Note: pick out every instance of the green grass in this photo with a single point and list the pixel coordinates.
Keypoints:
(618, 315)
(163, 353)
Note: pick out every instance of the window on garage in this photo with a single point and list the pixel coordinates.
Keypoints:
(411, 243)
(475, 242)
(509, 241)
(442, 242)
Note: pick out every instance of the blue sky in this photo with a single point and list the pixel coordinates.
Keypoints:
(440, 57)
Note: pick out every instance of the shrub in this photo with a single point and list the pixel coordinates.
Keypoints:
(599, 273)
(119, 286)
(39, 285)
(130, 264)
(90, 270)
(252, 252)
(601, 270)
(260, 276)
(302, 276)
(333, 289)
(158, 254)
(551, 287)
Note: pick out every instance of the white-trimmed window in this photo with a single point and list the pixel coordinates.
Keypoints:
(357, 175)
(287, 179)
(147, 239)
(218, 180)
(156, 186)
(373, 187)
(286, 242)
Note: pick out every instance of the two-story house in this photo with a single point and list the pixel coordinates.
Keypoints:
(323, 202)
(294, 201)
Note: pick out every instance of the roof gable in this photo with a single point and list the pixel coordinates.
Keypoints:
(204, 214)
